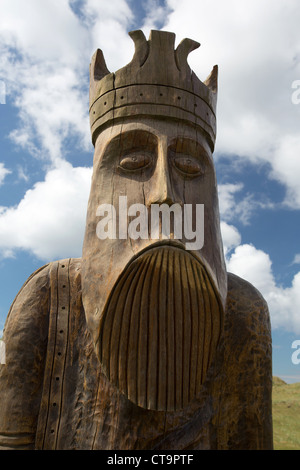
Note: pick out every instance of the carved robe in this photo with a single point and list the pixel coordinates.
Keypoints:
(54, 394)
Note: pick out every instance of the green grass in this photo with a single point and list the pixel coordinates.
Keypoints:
(286, 415)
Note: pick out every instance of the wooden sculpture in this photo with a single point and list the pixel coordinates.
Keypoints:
(142, 343)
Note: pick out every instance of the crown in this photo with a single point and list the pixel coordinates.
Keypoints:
(158, 82)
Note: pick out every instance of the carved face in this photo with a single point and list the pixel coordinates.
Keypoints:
(152, 162)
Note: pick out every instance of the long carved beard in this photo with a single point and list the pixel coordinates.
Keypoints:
(160, 329)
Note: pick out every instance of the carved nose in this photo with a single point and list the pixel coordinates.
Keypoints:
(161, 187)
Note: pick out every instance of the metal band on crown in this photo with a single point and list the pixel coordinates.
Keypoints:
(158, 82)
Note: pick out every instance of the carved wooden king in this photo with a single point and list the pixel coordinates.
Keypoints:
(142, 343)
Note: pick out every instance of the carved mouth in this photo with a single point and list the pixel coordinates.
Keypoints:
(172, 243)
(160, 328)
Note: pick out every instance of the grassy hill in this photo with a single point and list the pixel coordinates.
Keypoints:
(286, 415)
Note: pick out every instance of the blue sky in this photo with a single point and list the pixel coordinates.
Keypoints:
(46, 152)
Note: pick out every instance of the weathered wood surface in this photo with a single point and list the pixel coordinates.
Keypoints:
(232, 410)
(141, 343)
(158, 181)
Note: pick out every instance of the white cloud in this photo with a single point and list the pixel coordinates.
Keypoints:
(22, 175)
(108, 24)
(52, 108)
(284, 302)
(235, 207)
(257, 47)
(45, 83)
(3, 173)
(230, 236)
(297, 259)
(253, 265)
(286, 167)
(2, 92)
(230, 208)
(155, 15)
(50, 219)
(45, 51)
(44, 31)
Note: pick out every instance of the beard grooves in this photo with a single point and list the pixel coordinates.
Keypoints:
(160, 329)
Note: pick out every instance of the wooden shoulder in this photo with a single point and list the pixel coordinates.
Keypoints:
(31, 304)
(248, 367)
(247, 325)
(26, 337)
(21, 377)
(245, 302)
(33, 289)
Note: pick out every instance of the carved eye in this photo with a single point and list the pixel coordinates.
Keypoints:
(188, 165)
(136, 161)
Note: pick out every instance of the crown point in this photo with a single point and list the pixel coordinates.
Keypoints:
(212, 80)
(98, 68)
(182, 51)
(137, 35)
(141, 46)
(162, 40)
